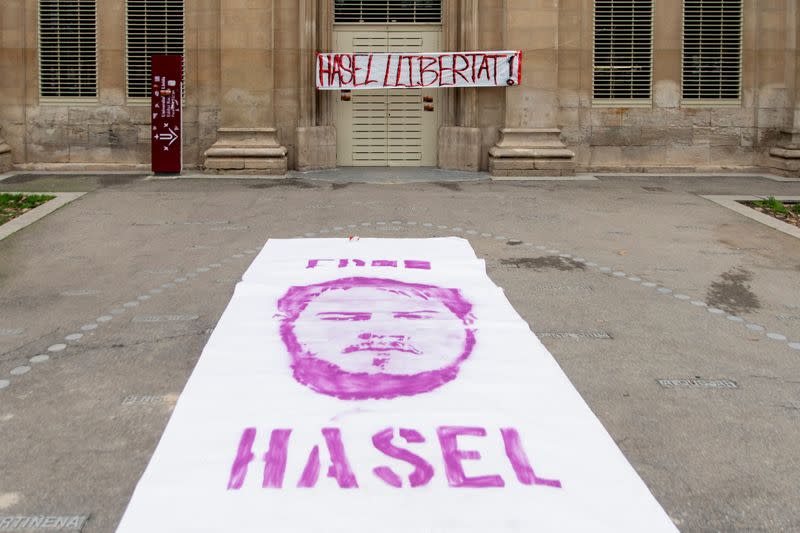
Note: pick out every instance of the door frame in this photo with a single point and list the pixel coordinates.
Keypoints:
(435, 29)
(459, 29)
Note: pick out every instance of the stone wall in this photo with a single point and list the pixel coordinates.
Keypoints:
(669, 134)
(248, 65)
(110, 131)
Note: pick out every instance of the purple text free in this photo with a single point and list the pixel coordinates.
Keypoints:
(388, 263)
(393, 444)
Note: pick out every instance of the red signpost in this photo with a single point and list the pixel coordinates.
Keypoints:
(167, 80)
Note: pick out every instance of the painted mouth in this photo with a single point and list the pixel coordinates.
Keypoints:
(382, 347)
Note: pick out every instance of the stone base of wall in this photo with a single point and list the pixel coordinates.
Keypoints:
(521, 167)
(316, 147)
(460, 148)
(85, 167)
(247, 151)
(786, 167)
(5, 157)
(785, 158)
(685, 170)
(530, 152)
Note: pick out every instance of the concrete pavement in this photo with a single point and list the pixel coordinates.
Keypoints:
(677, 320)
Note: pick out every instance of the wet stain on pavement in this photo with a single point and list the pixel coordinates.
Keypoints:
(290, 183)
(449, 185)
(732, 292)
(543, 263)
(107, 180)
(104, 180)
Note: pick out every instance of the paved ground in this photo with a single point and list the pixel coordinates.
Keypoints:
(628, 280)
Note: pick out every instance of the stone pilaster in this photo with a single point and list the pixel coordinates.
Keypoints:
(460, 148)
(247, 140)
(460, 138)
(315, 142)
(530, 143)
(248, 150)
(522, 152)
(784, 158)
(13, 81)
(316, 147)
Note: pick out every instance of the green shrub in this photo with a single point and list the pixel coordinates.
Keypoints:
(773, 204)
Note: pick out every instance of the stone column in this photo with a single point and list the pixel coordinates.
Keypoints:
(247, 140)
(460, 144)
(202, 79)
(13, 81)
(530, 143)
(315, 142)
(785, 157)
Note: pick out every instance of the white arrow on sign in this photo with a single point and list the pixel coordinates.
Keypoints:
(171, 137)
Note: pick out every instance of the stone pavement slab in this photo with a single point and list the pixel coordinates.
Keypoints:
(676, 319)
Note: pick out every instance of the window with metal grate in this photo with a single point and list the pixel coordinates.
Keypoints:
(387, 11)
(68, 48)
(623, 49)
(712, 49)
(153, 27)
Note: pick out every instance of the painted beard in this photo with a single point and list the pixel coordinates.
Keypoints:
(326, 378)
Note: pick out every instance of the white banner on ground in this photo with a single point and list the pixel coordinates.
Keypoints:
(382, 385)
(419, 70)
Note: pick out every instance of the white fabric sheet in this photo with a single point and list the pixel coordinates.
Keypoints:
(407, 382)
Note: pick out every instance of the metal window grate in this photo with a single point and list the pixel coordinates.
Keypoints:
(388, 11)
(153, 27)
(623, 49)
(712, 49)
(68, 48)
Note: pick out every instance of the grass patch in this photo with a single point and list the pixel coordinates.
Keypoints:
(789, 213)
(772, 204)
(13, 205)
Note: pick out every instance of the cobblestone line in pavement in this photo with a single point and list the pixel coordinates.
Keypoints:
(73, 339)
(657, 290)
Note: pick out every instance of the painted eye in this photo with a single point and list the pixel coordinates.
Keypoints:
(423, 315)
(345, 317)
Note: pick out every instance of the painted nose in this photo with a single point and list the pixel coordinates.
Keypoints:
(373, 336)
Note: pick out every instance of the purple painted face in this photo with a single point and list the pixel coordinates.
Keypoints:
(369, 338)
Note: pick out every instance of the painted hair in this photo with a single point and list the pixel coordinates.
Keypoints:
(297, 298)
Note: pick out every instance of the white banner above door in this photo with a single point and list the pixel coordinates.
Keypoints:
(352, 71)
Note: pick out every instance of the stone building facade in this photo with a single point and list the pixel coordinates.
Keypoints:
(251, 104)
